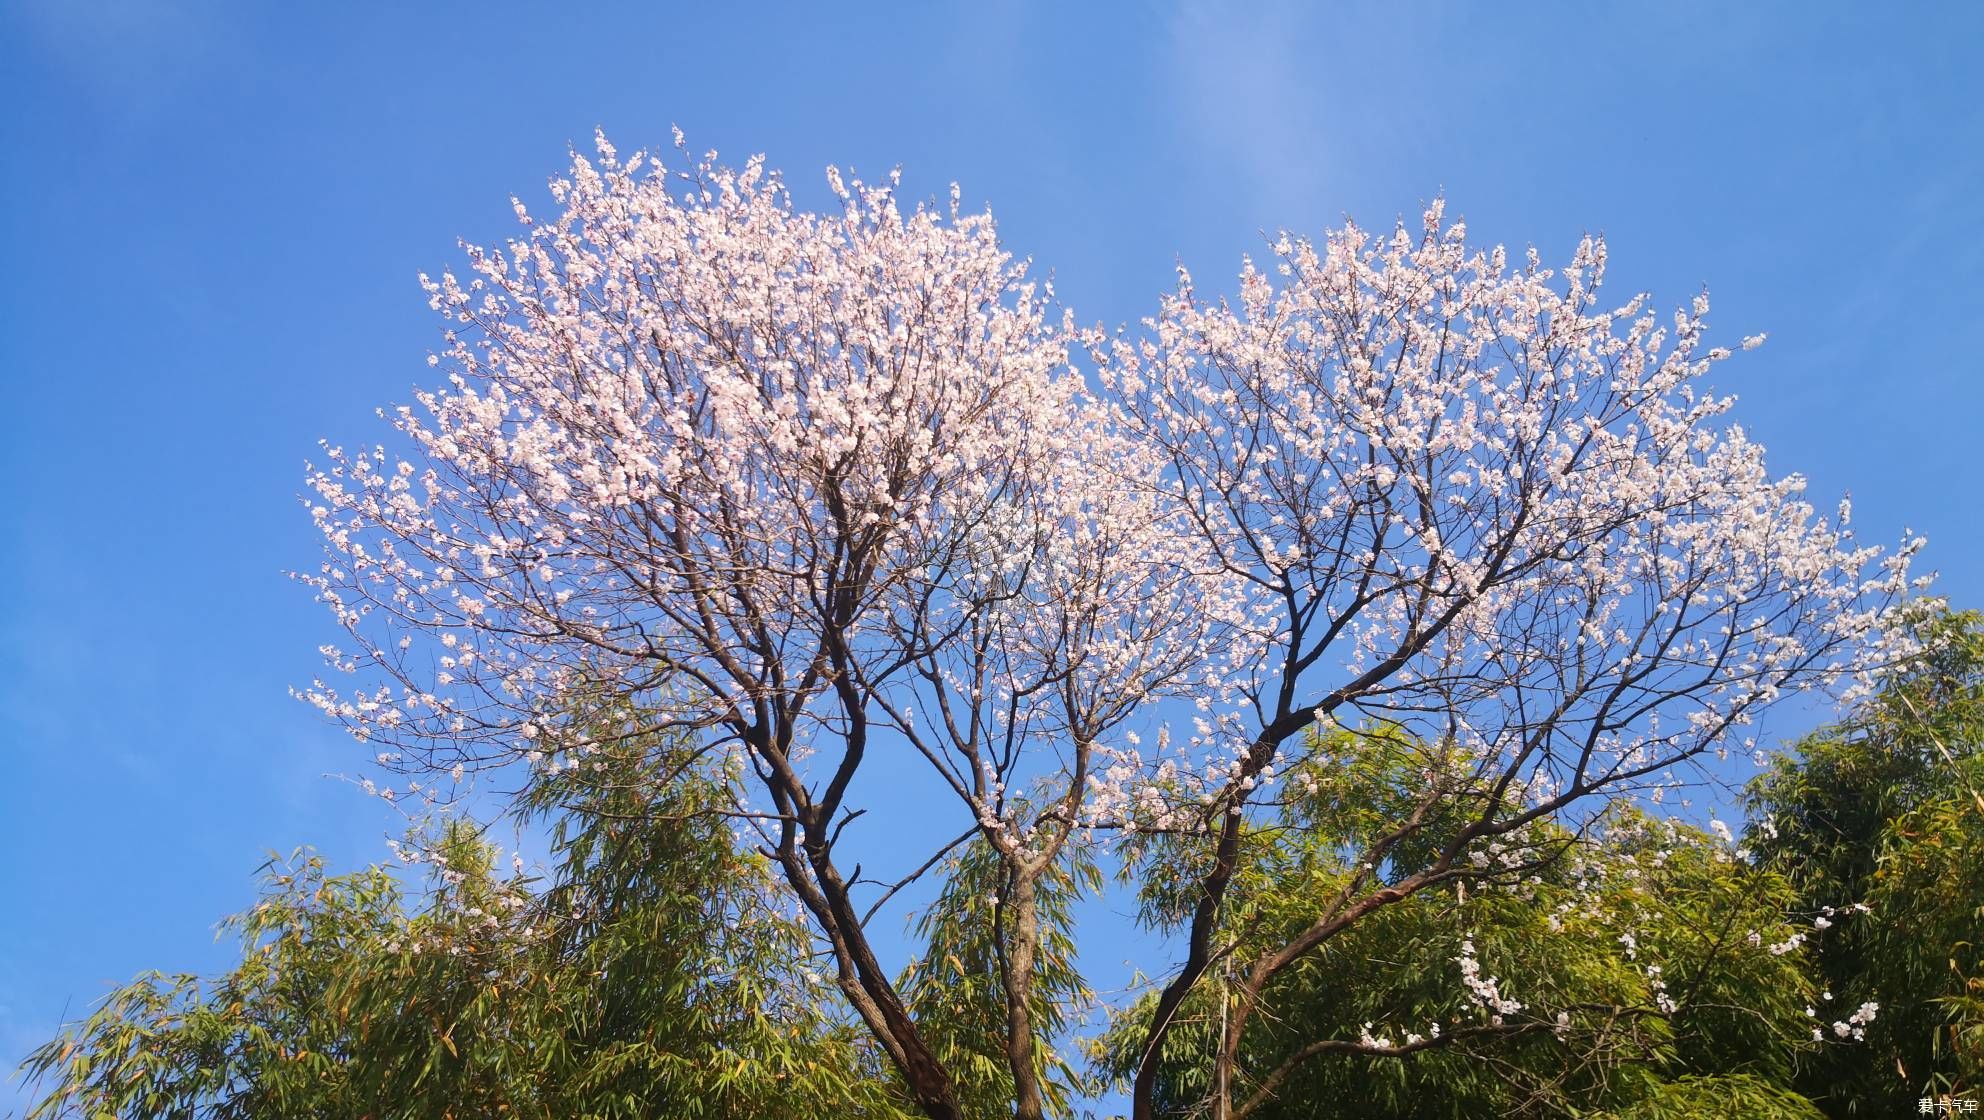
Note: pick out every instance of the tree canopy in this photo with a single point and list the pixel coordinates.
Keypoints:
(1880, 814)
(656, 973)
(1620, 969)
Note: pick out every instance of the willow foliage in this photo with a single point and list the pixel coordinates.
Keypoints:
(1631, 962)
(1880, 818)
(656, 974)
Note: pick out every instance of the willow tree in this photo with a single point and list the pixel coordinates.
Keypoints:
(830, 487)
(654, 972)
(1668, 967)
(1878, 820)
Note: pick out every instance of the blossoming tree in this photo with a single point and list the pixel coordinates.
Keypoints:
(1474, 502)
(827, 488)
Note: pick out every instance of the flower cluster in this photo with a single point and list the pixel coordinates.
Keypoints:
(1487, 993)
(1486, 503)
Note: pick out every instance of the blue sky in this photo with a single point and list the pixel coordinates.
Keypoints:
(212, 217)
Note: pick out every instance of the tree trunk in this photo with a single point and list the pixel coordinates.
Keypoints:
(1022, 950)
